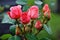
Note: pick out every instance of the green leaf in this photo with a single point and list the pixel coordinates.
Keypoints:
(22, 2)
(25, 8)
(5, 36)
(14, 38)
(30, 36)
(38, 2)
(12, 29)
(21, 25)
(30, 2)
(48, 29)
(7, 19)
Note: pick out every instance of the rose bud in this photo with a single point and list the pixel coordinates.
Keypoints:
(25, 18)
(47, 14)
(45, 8)
(33, 12)
(38, 25)
(15, 12)
(46, 11)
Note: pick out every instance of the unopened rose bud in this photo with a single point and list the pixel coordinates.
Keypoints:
(38, 25)
(46, 11)
(45, 8)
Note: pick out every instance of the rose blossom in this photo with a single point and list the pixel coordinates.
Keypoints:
(38, 25)
(15, 12)
(33, 12)
(25, 18)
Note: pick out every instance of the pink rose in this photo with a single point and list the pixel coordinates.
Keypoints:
(33, 12)
(38, 25)
(45, 8)
(46, 11)
(15, 12)
(25, 18)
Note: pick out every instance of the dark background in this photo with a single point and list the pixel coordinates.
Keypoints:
(4, 28)
(8, 2)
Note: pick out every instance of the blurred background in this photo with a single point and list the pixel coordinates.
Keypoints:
(54, 22)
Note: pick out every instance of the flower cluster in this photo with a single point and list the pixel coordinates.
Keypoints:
(25, 17)
(28, 18)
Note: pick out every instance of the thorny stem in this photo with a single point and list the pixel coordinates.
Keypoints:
(23, 36)
(17, 25)
(38, 31)
(32, 22)
(45, 20)
(24, 28)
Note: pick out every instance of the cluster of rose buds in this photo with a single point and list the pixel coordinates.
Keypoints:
(28, 16)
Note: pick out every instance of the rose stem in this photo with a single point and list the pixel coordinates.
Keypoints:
(17, 23)
(38, 31)
(32, 22)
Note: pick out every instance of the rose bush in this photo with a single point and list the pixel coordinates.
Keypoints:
(26, 21)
